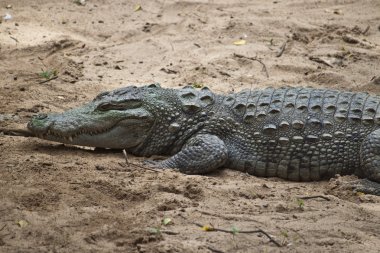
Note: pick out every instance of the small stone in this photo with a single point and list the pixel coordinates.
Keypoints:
(100, 167)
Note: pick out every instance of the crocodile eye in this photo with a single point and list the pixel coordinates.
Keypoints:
(104, 107)
(119, 105)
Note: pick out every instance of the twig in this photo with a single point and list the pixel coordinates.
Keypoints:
(282, 49)
(13, 38)
(224, 73)
(253, 59)
(48, 80)
(315, 197)
(143, 167)
(319, 60)
(42, 61)
(243, 232)
(214, 250)
(134, 164)
(126, 157)
(168, 232)
(366, 30)
(168, 71)
(17, 132)
(227, 217)
(1, 229)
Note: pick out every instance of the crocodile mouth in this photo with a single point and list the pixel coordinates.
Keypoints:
(125, 133)
(69, 137)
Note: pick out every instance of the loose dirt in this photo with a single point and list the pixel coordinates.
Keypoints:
(56, 198)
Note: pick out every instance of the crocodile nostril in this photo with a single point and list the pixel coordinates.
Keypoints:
(41, 116)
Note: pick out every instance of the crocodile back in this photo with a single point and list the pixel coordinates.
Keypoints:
(280, 132)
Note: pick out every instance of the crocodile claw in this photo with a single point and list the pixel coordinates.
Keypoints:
(152, 164)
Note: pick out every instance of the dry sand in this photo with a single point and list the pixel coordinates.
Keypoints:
(55, 198)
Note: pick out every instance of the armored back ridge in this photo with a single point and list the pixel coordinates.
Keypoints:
(300, 134)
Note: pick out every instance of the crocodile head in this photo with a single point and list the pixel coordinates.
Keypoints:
(120, 119)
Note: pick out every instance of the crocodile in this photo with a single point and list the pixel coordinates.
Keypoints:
(294, 133)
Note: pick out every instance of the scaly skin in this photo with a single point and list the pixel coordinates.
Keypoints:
(299, 134)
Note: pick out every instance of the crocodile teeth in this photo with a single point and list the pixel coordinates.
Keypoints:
(70, 138)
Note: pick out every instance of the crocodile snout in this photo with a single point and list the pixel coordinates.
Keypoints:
(39, 124)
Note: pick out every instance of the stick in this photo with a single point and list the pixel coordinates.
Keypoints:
(224, 73)
(3, 227)
(253, 59)
(282, 49)
(13, 38)
(228, 217)
(137, 165)
(214, 250)
(366, 30)
(243, 232)
(48, 80)
(315, 197)
(145, 168)
(17, 132)
(126, 157)
(168, 232)
(319, 60)
(42, 61)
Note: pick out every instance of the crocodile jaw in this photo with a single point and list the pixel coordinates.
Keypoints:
(118, 130)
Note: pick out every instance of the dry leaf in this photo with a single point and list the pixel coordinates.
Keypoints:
(208, 228)
(22, 223)
(359, 194)
(138, 8)
(240, 42)
(166, 221)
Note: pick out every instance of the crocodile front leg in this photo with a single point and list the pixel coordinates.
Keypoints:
(201, 154)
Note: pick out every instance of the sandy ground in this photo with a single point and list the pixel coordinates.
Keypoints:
(55, 198)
